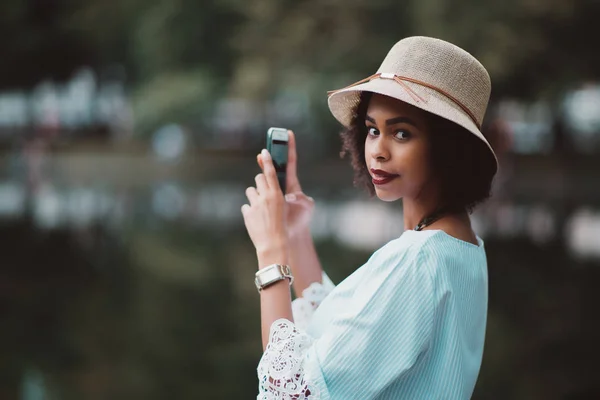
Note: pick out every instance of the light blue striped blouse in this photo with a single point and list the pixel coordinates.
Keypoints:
(408, 324)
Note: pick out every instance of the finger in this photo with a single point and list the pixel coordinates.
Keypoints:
(269, 170)
(259, 161)
(261, 184)
(293, 184)
(245, 210)
(290, 197)
(298, 197)
(252, 195)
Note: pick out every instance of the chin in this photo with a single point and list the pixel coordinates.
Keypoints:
(385, 195)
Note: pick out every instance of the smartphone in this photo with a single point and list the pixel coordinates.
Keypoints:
(277, 145)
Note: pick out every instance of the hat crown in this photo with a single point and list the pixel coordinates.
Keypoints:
(444, 66)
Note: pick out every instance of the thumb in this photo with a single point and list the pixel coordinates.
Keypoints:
(293, 184)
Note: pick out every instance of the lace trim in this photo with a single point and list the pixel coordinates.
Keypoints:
(281, 369)
(304, 307)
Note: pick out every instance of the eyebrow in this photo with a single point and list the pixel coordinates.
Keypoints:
(394, 121)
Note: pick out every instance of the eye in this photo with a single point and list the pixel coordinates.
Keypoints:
(372, 131)
(402, 135)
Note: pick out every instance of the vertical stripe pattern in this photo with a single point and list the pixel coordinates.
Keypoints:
(408, 324)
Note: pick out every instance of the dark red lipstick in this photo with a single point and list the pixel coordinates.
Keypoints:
(381, 177)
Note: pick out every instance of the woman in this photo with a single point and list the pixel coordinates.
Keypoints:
(410, 323)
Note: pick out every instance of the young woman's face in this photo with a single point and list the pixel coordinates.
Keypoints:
(397, 149)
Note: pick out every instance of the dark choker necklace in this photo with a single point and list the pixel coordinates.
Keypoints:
(430, 219)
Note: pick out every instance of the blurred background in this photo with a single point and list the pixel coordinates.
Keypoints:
(128, 133)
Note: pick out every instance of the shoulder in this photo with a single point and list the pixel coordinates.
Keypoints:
(425, 252)
(407, 254)
(411, 246)
(396, 275)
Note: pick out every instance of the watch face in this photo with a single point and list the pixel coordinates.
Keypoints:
(271, 274)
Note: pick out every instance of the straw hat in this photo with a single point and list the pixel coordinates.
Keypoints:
(430, 74)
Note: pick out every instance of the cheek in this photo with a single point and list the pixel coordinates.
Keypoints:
(415, 165)
(413, 158)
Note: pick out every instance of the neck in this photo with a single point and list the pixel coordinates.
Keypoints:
(414, 211)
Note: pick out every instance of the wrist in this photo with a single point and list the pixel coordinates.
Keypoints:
(272, 255)
(282, 285)
(299, 235)
(271, 275)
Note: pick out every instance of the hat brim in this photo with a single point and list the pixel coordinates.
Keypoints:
(344, 102)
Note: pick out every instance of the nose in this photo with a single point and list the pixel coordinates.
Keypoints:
(379, 149)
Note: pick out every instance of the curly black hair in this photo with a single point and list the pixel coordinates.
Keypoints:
(461, 160)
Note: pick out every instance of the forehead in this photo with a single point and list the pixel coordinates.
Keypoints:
(388, 107)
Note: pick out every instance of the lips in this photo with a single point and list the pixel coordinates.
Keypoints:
(381, 177)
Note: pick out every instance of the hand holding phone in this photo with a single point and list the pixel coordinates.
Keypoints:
(277, 145)
(300, 206)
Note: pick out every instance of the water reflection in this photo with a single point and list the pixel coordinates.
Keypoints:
(583, 236)
(33, 386)
(358, 223)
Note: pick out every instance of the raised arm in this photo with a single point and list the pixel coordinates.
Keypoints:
(304, 260)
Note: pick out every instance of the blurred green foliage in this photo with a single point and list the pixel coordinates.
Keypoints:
(204, 51)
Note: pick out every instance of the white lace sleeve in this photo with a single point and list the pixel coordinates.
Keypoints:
(281, 372)
(304, 307)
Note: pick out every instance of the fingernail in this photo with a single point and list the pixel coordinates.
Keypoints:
(290, 197)
(265, 154)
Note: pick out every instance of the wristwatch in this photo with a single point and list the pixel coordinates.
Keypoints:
(271, 274)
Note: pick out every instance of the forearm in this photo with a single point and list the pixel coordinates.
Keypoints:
(304, 262)
(276, 299)
(275, 303)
